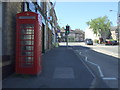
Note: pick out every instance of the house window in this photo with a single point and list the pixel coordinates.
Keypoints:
(26, 6)
(32, 7)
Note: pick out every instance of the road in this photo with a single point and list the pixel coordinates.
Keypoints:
(101, 59)
(106, 49)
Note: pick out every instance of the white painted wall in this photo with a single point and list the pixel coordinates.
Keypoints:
(89, 34)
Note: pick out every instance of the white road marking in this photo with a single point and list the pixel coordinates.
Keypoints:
(86, 59)
(109, 78)
(80, 53)
(86, 65)
(101, 73)
(99, 69)
(92, 63)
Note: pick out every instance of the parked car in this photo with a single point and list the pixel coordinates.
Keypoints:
(111, 42)
(88, 41)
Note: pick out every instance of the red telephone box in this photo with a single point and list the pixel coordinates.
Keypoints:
(28, 43)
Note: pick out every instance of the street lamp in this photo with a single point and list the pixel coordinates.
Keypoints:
(112, 11)
(118, 23)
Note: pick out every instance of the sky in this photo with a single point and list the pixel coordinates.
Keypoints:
(76, 14)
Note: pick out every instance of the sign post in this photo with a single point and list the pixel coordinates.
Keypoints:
(67, 40)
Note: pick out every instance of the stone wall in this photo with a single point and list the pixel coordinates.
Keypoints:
(9, 11)
(0, 30)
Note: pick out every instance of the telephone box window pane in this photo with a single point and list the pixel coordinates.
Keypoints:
(26, 61)
(27, 53)
(32, 36)
(27, 26)
(22, 31)
(32, 42)
(27, 42)
(29, 60)
(27, 36)
(27, 48)
(27, 31)
(27, 17)
(26, 64)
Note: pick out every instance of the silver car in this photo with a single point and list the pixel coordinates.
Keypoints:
(88, 41)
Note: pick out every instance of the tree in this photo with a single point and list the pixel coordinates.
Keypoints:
(100, 26)
(58, 27)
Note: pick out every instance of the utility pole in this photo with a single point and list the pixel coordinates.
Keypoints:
(118, 22)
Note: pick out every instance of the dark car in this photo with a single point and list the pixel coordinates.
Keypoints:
(111, 42)
(88, 41)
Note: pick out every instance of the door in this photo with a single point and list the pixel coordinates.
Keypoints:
(43, 38)
(27, 45)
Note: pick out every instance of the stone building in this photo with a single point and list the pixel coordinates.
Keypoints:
(76, 35)
(9, 11)
(114, 33)
(8, 29)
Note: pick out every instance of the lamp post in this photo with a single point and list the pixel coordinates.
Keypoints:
(118, 23)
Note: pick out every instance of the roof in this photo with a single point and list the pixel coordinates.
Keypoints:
(113, 28)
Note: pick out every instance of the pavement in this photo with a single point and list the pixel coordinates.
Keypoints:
(61, 68)
(100, 48)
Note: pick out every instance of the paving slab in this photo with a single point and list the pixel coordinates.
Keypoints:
(61, 68)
